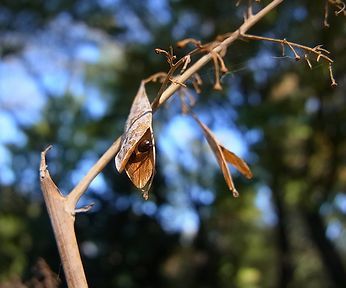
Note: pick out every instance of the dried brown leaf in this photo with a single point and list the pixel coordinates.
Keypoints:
(141, 165)
(237, 162)
(137, 151)
(215, 146)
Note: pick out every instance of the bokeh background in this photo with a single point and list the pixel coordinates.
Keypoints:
(68, 73)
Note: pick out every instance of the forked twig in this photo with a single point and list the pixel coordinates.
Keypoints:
(317, 51)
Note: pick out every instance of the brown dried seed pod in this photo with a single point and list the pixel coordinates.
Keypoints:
(137, 151)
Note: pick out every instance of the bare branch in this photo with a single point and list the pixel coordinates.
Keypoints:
(61, 214)
(81, 187)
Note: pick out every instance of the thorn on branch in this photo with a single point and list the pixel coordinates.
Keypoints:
(169, 55)
(307, 60)
(217, 85)
(334, 84)
(160, 76)
(319, 48)
(296, 55)
(187, 61)
(223, 68)
(84, 209)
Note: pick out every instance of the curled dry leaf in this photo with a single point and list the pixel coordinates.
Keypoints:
(223, 156)
(137, 151)
(237, 162)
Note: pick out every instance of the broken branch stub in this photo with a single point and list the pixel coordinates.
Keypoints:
(137, 151)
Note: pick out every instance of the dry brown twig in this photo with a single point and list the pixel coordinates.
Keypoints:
(339, 9)
(62, 209)
(317, 51)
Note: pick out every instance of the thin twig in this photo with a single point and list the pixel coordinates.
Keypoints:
(318, 51)
(340, 5)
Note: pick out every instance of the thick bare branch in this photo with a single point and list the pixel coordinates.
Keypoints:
(61, 215)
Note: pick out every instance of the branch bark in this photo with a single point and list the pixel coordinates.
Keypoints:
(61, 209)
(61, 215)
